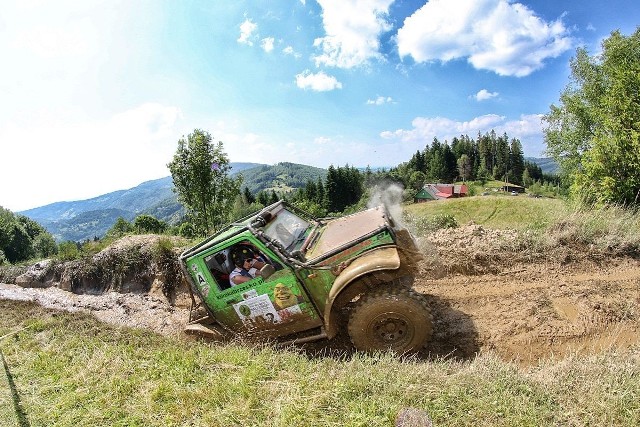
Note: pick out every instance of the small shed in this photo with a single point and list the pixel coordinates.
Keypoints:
(508, 188)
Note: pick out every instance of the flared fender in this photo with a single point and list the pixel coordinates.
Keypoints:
(376, 260)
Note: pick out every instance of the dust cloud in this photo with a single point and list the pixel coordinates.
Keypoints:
(390, 196)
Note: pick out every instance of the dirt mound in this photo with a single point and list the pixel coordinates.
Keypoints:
(487, 289)
(132, 264)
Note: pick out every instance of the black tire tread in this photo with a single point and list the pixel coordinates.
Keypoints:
(382, 295)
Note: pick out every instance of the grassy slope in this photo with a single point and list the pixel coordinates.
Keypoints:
(496, 211)
(70, 370)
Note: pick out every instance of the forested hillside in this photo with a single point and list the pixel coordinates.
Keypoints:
(282, 177)
(546, 164)
(86, 219)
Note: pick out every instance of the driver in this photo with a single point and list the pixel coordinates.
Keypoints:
(247, 265)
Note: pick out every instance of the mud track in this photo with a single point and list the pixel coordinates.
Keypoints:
(523, 311)
(536, 311)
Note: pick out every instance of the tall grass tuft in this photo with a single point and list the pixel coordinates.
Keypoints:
(611, 229)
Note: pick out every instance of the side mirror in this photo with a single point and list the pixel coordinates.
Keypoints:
(267, 271)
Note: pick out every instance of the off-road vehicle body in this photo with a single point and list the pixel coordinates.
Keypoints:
(320, 274)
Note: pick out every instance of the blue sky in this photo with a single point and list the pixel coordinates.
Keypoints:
(94, 95)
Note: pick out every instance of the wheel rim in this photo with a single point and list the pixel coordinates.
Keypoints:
(391, 330)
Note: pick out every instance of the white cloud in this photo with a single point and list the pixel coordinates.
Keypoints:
(247, 28)
(528, 129)
(497, 35)
(321, 140)
(129, 148)
(484, 94)
(380, 100)
(352, 29)
(289, 51)
(267, 44)
(319, 82)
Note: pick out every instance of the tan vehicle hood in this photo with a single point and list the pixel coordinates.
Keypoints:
(341, 231)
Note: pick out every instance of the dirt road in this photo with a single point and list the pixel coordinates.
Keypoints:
(537, 311)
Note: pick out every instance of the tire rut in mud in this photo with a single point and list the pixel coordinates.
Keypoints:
(537, 311)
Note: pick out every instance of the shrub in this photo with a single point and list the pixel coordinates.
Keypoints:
(68, 251)
(426, 225)
(187, 230)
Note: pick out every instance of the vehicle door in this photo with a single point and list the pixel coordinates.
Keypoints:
(275, 305)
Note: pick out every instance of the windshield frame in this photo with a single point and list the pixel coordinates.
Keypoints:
(288, 228)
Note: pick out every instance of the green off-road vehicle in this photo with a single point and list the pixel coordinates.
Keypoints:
(282, 274)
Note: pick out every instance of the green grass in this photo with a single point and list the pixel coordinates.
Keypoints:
(496, 211)
(70, 370)
(544, 224)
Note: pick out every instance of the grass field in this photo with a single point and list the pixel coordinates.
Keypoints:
(496, 211)
(69, 370)
(611, 230)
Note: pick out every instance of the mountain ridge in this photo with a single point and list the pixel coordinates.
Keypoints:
(85, 219)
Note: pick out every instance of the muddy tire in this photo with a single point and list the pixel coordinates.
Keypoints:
(396, 319)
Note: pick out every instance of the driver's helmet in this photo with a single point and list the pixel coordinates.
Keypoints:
(240, 253)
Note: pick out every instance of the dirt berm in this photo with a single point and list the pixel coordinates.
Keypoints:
(488, 290)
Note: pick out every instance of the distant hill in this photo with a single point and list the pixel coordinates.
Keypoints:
(281, 177)
(133, 200)
(85, 219)
(547, 164)
(86, 225)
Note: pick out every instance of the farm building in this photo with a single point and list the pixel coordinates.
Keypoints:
(440, 191)
(508, 187)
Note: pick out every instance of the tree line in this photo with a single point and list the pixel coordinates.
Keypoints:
(21, 238)
(488, 157)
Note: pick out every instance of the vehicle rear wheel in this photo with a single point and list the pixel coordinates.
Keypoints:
(396, 319)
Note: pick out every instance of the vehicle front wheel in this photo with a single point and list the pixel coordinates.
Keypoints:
(396, 319)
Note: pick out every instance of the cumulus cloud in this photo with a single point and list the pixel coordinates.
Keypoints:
(352, 30)
(484, 94)
(290, 51)
(247, 28)
(380, 100)
(319, 82)
(267, 44)
(528, 129)
(496, 35)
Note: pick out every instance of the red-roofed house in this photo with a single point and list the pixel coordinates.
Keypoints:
(440, 191)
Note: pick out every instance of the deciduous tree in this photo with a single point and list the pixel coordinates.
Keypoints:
(149, 224)
(200, 172)
(594, 132)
